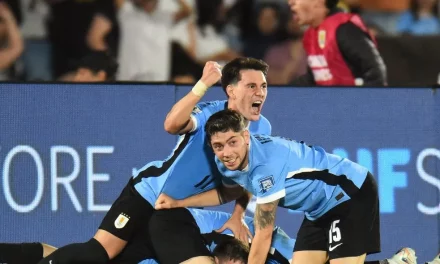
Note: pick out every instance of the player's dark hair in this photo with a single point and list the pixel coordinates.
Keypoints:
(232, 249)
(231, 71)
(224, 121)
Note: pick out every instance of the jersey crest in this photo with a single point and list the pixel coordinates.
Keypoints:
(266, 183)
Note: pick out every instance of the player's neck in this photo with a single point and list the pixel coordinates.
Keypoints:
(231, 106)
(319, 18)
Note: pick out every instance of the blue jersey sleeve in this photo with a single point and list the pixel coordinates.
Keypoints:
(268, 183)
(203, 111)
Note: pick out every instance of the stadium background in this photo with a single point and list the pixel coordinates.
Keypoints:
(66, 151)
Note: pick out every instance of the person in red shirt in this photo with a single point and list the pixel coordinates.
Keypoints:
(340, 50)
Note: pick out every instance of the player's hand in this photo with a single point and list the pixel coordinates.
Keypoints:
(165, 202)
(211, 73)
(238, 227)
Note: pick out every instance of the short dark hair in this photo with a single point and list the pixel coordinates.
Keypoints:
(232, 249)
(97, 61)
(224, 121)
(231, 71)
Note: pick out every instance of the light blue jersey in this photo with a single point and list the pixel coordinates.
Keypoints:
(190, 169)
(208, 221)
(304, 178)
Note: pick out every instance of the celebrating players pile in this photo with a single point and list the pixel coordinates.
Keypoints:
(225, 153)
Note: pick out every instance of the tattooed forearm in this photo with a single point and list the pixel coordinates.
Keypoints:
(265, 214)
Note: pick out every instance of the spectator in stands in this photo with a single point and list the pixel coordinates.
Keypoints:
(97, 66)
(11, 42)
(421, 19)
(266, 31)
(287, 60)
(76, 27)
(203, 39)
(145, 53)
(36, 57)
(383, 13)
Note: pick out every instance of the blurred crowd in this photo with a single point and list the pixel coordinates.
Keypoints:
(170, 40)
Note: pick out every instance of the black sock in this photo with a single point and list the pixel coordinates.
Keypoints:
(80, 253)
(21, 253)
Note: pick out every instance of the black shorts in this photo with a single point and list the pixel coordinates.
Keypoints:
(350, 229)
(176, 236)
(128, 219)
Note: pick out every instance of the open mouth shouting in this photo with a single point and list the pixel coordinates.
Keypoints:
(256, 107)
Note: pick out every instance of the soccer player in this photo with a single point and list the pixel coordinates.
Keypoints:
(244, 82)
(209, 224)
(340, 50)
(339, 197)
(188, 171)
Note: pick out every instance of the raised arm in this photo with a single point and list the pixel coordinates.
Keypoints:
(15, 46)
(178, 120)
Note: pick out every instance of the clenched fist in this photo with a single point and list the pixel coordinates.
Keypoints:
(211, 73)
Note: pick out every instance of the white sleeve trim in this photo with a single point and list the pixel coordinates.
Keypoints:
(194, 121)
(272, 197)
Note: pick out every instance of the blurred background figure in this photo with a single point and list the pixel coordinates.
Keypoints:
(265, 32)
(383, 14)
(145, 39)
(203, 38)
(76, 27)
(11, 42)
(36, 61)
(421, 18)
(97, 66)
(287, 59)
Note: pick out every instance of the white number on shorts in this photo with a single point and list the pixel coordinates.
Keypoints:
(334, 233)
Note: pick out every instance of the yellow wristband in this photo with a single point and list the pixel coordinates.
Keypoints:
(200, 89)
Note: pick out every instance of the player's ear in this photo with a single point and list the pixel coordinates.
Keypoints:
(247, 136)
(230, 91)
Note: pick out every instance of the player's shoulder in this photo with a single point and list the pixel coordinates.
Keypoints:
(266, 123)
(262, 126)
(264, 148)
(270, 141)
(276, 148)
(210, 106)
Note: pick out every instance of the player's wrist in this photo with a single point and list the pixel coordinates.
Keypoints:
(238, 213)
(200, 88)
(179, 203)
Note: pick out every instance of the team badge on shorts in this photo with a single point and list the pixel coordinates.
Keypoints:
(121, 221)
(266, 183)
(321, 38)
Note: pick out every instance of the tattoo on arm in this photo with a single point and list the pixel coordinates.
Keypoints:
(265, 214)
